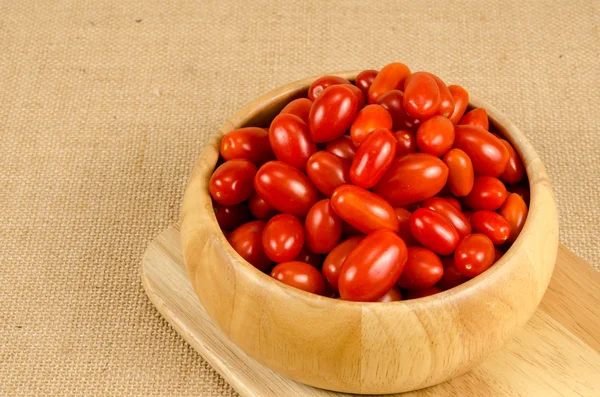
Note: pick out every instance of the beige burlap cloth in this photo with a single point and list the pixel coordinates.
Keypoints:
(105, 105)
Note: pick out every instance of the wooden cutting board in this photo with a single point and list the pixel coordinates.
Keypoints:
(556, 354)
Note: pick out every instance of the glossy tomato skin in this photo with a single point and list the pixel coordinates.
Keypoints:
(451, 277)
(488, 155)
(299, 107)
(323, 228)
(259, 208)
(393, 295)
(421, 96)
(477, 117)
(423, 269)
(460, 172)
(488, 193)
(291, 141)
(405, 143)
(514, 210)
(230, 217)
(246, 240)
(515, 170)
(364, 210)
(421, 293)
(492, 225)
(360, 97)
(393, 102)
(452, 215)
(342, 147)
(403, 216)
(412, 178)
(332, 113)
(231, 182)
(373, 158)
(435, 136)
(433, 231)
(365, 79)
(334, 260)
(283, 238)
(327, 171)
(320, 84)
(446, 107)
(285, 188)
(391, 77)
(474, 255)
(309, 257)
(372, 267)
(249, 143)
(454, 201)
(370, 118)
(300, 275)
(461, 101)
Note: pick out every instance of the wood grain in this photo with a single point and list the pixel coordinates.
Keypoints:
(555, 354)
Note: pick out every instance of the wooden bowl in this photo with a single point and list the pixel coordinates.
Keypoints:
(361, 347)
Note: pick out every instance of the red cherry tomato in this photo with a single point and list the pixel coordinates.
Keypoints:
(514, 210)
(405, 143)
(452, 215)
(327, 172)
(320, 84)
(451, 277)
(309, 257)
(461, 101)
(249, 143)
(373, 158)
(422, 293)
(488, 193)
(230, 217)
(323, 228)
(488, 155)
(492, 225)
(291, 141)
(452, 200)
(364, 210)
(259, 207)
(421, 96)
(332, 113)
(360, 97)
(231, 183)
(460, 172)
(342, 147)
(393, 102)
(372, 267)
(300, 275)
(433, 231)
(391, 77)
(393, 295)
(404, 224)
(298, 107)
(474, 255)
(334, 260)
(283, 238)
(246, 240)
(285, 188)
(477, 117)
(370, 118)
(522, 191)
(365, 79)
(423, 269)
(515, 170)
(412, 178)
(446, 107)
(435, 136)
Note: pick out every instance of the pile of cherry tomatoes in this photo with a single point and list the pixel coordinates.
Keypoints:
(381, 190)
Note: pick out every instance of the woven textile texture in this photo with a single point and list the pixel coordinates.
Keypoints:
(104, 107)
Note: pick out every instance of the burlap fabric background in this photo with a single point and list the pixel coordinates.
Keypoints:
(104, 106)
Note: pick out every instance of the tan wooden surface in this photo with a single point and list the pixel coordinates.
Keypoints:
(556, 354)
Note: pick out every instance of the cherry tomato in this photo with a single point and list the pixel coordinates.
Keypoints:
(309, 257)
(334, 260)
(327, 172)
(422, 293)
(370, 118)
(300, 275)
(231, 183)
(291, 141)
(412, 178)
(522, 191)
(249, 143)
(460, 172)
(435, 136)
(360, 97)
(285, 188)
(391, 77)
(474, 255)
(365, 79)
(488, 155)
(332, 113)
(323, 228)
(421, 96)
(515, 170)
(283, 238)
(393, 102)
(514, 210)
(477, 117)
(230, 217)
(372, 267)
(259, 207)
(452, 215)
(404, 224)
(446, 107)
(393, 295)
(451, 277)
(298, 107)
(246, 240)
(364, 210)
(461, 101)
(320, 84)
(488, 193)
(492, 225)
(373, 158)
(433, 231)
(452, 200)
(405, 143)
(342, 147)
(423, 269)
